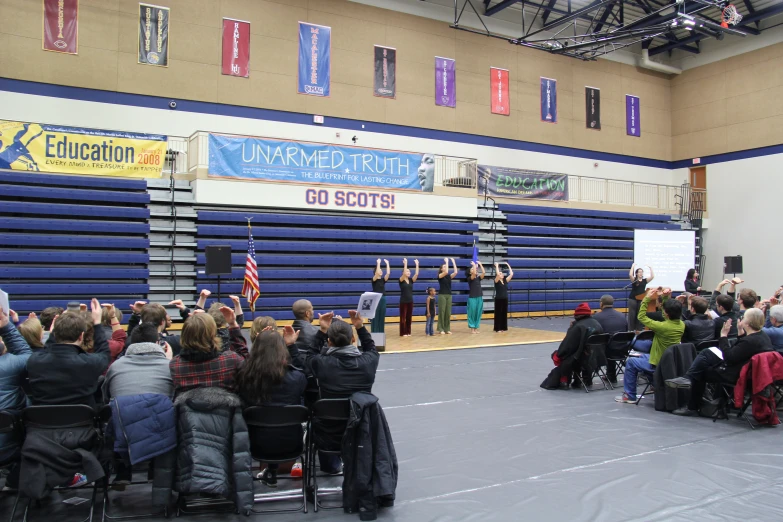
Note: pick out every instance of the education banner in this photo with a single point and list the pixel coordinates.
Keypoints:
(73, 150)
(548, 100)
(304, 162)
(385, 72)
(593, 108)
(154, 35)
(498, 88)
(61, 26)
(236, 48)
(522, 183)
(633, 125)
(445, 82)
(315, 45)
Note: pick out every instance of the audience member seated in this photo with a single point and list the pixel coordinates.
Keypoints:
(260, 324)
(667, 332)
(64, 373)
(117, 337)
(33, 333)
(202, 362)
(303, 322)
(723, 365)
(141, 387)
(567, 354)
(610, 319)
(13, 358)
(774, 327)
(268, 379)
(47, 319)
(699, 327)
(725, 308)
(747, 299)
(153, 313)
(341, 368)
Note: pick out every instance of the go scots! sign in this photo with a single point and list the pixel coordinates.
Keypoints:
(521, 183)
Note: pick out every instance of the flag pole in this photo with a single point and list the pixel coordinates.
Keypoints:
(249, 232)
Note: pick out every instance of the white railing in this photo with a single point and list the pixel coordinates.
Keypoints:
(626, 193)
(179, 145)
(455, 172)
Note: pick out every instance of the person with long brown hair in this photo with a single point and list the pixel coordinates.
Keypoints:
(33, 333)
(202, 361)
(268, 379)
(260, 324)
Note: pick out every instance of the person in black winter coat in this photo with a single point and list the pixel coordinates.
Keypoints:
(268, 379)
(568, 357)
(341, 369)
(725, 368)
(699, 327)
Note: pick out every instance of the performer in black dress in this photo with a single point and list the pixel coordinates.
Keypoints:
(379, 286)
(501, 297)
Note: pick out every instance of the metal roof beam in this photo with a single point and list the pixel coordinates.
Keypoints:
(489, 11)
(548, 10)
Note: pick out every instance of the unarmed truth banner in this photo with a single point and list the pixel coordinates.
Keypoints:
(522, 183)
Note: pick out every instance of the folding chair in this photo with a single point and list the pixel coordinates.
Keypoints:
(10, 424)
(649, 377)
(595, 359)
(707, 344)
(645, 335)
(617, 350)
(61, 417)
(271, 427)
(329, 420)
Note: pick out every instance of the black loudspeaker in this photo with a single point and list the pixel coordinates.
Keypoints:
(218, 260)
(732, 265)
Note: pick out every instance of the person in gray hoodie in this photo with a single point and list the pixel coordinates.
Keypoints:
(143, 369)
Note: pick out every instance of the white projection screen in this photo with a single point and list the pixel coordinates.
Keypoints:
(670, 253)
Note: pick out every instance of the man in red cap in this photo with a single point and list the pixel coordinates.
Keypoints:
(566, 362)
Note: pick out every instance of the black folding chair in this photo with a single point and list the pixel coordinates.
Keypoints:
(595, 359)
(617, 351)
(707, 344)
(271, 427)
(328, 422)
(649, 378)
(58, 418)
(10, 424)
(645, 335)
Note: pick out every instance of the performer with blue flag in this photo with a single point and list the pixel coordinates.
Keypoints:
(476, 296)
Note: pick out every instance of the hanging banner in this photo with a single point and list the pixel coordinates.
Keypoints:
(445, 82)
(633, 125)
(548, 100)
(72, 150)
(593, 108)
(304, 162)
(385, 74)
(498, 88)
(61, 26)
(236, 48)
(522, 183)
(153, 35)
(315, 47)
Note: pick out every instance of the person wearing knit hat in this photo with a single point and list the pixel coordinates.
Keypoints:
(567, 358)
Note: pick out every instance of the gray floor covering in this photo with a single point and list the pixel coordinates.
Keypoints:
(477, 439)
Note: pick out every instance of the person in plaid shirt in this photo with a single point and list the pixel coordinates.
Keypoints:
(202, 362)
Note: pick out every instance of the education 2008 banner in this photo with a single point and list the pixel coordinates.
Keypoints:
(301, 162)
(70, 150)
(522, 183)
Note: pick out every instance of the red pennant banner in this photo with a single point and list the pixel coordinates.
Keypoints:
(501, 104)
(61, 26)
(236, 48)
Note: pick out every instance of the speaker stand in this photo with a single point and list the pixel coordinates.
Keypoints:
(218, 290)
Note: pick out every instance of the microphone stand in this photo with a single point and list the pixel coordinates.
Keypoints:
(546, 296)
(627, 299)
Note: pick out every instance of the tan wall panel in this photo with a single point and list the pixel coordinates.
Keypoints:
(416, 78)
(273, 55)
(21, 18)
(341, 7)
(606, 140)
(531, 69)
(701, 143)
(195, 43)
(180, 80)
(348, 101)
(610, 84)
(420, 111)
(755, 77)
(698, 92)
(649, 145)
(698, 118)
(473, 88)
(349, 33)
(268, 18)
(352, 68)
(262, 89)
(612, 111)
(415, 23)
(477, 119)
(531, 128)
(478, 59)
(98, 27)
(199, 12)
(752, 134)
(650, 95)
(698, 73)
(752, 106)
(656, 121)
(419, 47)
(23, 58)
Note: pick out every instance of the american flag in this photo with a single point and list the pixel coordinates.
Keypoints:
(250, 286)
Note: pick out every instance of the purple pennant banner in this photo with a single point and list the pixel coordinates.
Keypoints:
(633, 123)
(548, 100)
(445, 82)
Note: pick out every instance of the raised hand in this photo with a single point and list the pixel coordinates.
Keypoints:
(97, 312)
(137, 306)
(356, 318)
(51, 326)
(289, 335)
(205, 293)
(325, 321)
(32, 315)
(167, 350)
(234, 298)
(82, 307)
(3, 318)
(178, 303)
(230, 316)
(724, 332)
(667, 291)
(416, 262)
(378, 261)
(13, 316)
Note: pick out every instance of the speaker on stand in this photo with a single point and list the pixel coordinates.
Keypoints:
(732, 265)
(218, 262)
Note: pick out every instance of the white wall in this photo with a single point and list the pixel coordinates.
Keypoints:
(42, 109)
(743, 198)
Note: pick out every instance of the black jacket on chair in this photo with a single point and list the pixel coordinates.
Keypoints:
(213, 446)
(738, 355)
(698, 329)
(370, 462)
(675, 362)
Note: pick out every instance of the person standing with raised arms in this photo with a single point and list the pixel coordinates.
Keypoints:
(444, 295)
(406, 297)
(377, 325)
(475, 298)
(637, 293)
